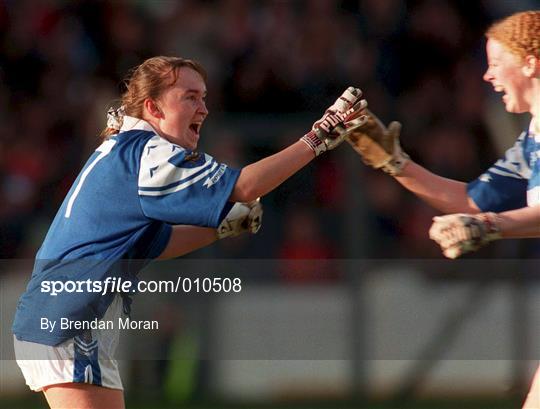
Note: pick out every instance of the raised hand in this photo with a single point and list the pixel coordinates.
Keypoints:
(378, 145)
(242, 218)
(330, 130)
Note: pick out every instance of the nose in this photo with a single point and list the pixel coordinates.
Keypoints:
(202, 108)
(487, 76)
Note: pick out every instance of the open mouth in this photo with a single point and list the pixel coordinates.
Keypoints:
(195, 127)
(500, 89)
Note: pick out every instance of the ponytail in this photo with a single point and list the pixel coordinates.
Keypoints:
(115, 119)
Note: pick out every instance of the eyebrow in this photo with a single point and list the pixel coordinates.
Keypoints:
(196, 91)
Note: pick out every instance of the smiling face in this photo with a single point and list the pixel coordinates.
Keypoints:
(506, 73)
(181, 109)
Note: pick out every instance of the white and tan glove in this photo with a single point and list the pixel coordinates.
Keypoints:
(242, 218)
(461, 233)
(329, 131)
(378, 145)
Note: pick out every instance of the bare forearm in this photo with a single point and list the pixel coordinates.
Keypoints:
(520, 223)
(446, 195)
(185, 239)
(263, 176)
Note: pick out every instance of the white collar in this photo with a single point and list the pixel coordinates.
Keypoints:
(131, 123)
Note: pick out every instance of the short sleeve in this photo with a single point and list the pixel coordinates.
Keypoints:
(504, 185)
(181, 187)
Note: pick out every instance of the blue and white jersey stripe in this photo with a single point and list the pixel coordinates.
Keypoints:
(513, 181)
(166, 168)
(162, 168)
(183, 187)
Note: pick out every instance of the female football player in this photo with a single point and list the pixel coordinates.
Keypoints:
(504, 202)
(145, 193)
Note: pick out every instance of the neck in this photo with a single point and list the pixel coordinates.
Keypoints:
(153, 123)
(535, 125)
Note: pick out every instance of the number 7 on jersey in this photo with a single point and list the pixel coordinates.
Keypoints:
(104, 149)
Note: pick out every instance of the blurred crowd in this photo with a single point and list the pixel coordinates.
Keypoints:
(420, 62)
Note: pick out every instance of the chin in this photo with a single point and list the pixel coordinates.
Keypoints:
(193, 144)
(510, 107)
(514, 109)
(186, 144)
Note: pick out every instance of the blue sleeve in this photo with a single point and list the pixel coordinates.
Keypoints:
(180, 187)
(504, 185)
(496, 193)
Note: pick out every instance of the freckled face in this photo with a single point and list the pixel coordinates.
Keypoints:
(506, 75)
(183, 109)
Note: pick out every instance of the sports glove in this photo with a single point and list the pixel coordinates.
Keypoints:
(377, 145)
(243, 217)
(329, 131)
(461, 233)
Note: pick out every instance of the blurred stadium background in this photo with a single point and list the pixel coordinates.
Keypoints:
(273, 68)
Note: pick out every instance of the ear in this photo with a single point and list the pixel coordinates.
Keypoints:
(531, 67)
(153, 109)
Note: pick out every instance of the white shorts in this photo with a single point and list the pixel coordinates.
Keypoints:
(86, 358)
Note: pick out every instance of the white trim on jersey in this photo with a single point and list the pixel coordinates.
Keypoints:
(533, 196)
(158, 176)
(513, 162)
(104, 149)
(180, 186)
(130, 123)
(505, 173)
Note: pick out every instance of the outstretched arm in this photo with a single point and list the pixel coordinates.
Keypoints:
(379, 148)
(446, 195)
(261, 177)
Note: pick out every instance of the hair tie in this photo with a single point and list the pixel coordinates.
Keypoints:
(115, 117)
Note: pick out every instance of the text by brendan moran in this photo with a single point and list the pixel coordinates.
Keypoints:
(120, 323)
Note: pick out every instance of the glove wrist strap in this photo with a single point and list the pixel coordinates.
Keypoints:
(492, 222)
(314, 142)
(396, 164)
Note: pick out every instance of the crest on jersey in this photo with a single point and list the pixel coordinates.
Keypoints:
(193, 157)
(486, 178)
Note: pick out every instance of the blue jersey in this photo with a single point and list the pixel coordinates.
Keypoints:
(513, 181)
(121, 206)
